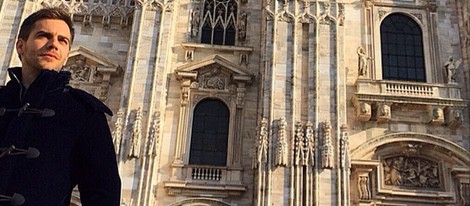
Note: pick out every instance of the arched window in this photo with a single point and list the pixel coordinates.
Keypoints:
(402, 49)
(219, 22)
(209, 136)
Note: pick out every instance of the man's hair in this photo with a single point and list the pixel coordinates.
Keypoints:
(46, 13)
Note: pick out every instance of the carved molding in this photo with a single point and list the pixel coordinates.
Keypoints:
(118, 11)
(450, 148)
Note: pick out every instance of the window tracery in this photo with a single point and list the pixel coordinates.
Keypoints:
(215, 22)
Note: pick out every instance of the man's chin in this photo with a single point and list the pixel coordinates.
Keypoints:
(50, 67)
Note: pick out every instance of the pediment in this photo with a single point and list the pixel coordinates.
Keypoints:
(91, 71)
(214, 65)
(92, 59)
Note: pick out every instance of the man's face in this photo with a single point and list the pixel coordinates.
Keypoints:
(47, 46)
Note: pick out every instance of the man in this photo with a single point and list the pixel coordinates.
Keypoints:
(52, 137)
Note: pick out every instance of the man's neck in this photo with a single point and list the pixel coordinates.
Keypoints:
(27, 77)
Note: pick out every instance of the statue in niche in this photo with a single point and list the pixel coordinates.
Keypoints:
(327, 150)
(153, 137)
(451, 67)
(281, 149)
(363, 62)
(134, 150)
(411, 172)
(117, 133)
(195, 21)
(261, 154)
(309, 147)
(242, 21)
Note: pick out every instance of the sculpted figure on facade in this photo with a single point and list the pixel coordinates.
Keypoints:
(451, 66)
(363, 111)
(362, 62)
(344, 146)
(212, 79)
(117, 133)
(309, 145)
(455, 118)
(134, 150)
(384, 113)
(261, 153)
(242, 26)
(298, 146)
(327, 149)
(325, 16)
(411, 172)
(437, 115)
(281, 148)
(154, 136)
(195, 21)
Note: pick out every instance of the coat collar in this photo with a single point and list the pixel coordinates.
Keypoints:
(45, 83)
(46, 78)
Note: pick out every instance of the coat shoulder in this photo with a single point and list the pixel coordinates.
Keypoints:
(89, 100)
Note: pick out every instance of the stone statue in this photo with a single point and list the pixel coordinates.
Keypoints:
(261, 154)
(344, 146)
(117, 133)
(281, 149)
(298, 147)
(327, 150)
(451, 67)
(242, 21)
(363, 62)
(134, 151)
(309, 140)
(195, 21)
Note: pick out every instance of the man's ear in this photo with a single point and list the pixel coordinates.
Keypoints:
(20, 47)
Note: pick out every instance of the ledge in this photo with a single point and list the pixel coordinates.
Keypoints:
(217, 47)
(203, 189)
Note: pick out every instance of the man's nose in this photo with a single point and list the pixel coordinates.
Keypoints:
(53, 43)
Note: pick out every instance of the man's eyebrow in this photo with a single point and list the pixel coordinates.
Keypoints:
(49, 34)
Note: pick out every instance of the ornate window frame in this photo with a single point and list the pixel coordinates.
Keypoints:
(213, 77)
(237, 20)
(423, 14)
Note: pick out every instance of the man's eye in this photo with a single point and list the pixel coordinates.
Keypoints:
(64, 41)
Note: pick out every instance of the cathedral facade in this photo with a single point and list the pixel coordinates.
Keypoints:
(275, 102)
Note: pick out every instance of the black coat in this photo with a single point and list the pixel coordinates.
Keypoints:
(69, 129)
